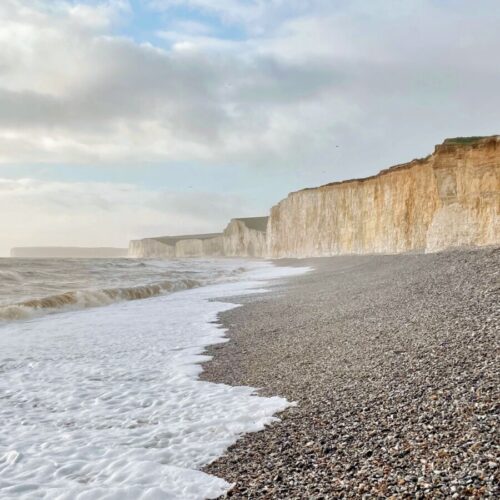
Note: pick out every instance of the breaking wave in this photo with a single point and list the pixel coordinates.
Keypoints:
(10, 276)
(82, 299)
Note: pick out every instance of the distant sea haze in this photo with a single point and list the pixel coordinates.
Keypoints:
(69, 252)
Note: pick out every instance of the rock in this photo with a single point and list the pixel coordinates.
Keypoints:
(448, 199)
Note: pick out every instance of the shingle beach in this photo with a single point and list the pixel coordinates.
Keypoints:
(393, 363)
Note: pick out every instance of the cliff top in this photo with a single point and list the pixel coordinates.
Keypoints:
(172, 240)
(466, 140)
(256, 223)
(455, 142)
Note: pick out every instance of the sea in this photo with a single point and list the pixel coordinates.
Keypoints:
(99, 364)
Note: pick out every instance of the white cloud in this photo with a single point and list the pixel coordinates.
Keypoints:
(384, 79)
(99, 16)
(77, 96)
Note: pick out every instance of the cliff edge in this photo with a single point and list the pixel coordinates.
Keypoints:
(448, 199)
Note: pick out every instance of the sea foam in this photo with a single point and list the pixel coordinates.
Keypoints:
(106, 403)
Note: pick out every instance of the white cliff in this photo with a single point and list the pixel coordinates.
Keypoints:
(150, 248)
(243, 237)
(449, 199)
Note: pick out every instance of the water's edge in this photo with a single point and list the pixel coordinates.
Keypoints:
(110, 401)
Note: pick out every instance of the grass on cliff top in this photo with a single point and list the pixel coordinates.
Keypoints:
(463, 140)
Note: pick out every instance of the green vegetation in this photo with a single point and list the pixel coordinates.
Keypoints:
(463, 140)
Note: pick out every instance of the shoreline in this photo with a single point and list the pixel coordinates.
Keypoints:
(107, 401)
(392, 362)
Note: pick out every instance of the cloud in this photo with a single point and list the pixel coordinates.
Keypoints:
(309, 90)
(38, 213)
(110, 99)
(383, 79)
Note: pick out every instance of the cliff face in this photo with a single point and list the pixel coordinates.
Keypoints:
(246, 237)
(450, 198)
(150, 248)
(241, 238)
(209, 247)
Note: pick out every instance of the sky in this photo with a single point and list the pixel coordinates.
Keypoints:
(124, 119)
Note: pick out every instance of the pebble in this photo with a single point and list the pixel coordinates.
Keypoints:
(393, 363)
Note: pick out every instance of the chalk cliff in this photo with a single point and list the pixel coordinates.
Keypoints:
(246, 237)
(210, 245)
(449, 199)
(168, 247)
(148, 248)
(243, 237)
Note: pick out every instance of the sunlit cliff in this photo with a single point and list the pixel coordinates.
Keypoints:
(449, 199)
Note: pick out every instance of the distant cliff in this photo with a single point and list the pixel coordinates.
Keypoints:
(68, 252)
(150, 248)
(246, 237)
(449, 199)
(243, 237)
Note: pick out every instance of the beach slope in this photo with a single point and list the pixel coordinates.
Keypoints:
(393, 361)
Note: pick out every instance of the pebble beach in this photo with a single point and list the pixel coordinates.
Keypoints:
(392, 362)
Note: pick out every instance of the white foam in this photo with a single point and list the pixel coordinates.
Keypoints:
(106, 403)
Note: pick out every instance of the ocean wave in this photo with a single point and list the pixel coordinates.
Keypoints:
(10, 276)
(82, 299)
